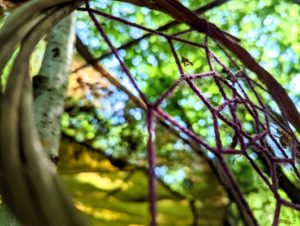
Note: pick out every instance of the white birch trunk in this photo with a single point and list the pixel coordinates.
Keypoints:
(51, 84)
(50, 88)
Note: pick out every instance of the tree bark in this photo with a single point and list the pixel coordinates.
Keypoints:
(50, 88)
(25, 162)
(51, 84)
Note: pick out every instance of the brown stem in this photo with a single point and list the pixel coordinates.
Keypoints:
(165, 27)
(215, 166)
(34, 181)
(182, 14)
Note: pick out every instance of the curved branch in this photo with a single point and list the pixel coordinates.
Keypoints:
(182, 14)
(34, 178)
(216, 167)
(23, 20)
(165, 27)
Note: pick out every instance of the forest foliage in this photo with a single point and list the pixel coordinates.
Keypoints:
(104, 130)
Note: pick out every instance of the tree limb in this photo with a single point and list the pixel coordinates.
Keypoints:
(34, 181)
(182, 14)
(165, 27)
(215, 166)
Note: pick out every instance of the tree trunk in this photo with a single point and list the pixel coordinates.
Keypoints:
(50, 84)
(50, 88)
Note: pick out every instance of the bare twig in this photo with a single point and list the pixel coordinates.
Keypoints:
(165, 27)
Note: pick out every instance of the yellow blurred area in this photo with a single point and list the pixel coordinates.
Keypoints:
(104, 183)
(109, 196)
(104, 214)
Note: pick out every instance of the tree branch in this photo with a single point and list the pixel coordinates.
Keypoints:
(34, 181)
(182, 14)
(165, 27)
(215, 166)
